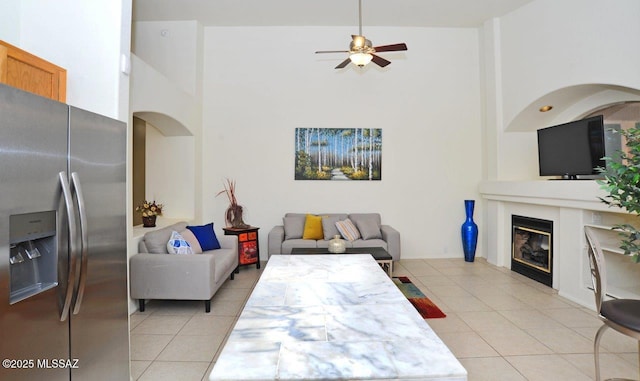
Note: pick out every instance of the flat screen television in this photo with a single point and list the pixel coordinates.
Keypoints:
(572, 149)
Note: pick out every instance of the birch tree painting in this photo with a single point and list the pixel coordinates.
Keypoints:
(338, 153)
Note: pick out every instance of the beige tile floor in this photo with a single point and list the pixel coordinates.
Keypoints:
(500, 325)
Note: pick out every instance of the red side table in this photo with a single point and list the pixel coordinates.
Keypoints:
(248, 245)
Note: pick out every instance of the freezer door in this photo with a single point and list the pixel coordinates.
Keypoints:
(33, 150)
(100, 320)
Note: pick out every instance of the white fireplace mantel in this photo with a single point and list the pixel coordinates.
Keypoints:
(579, 194)
(571, 205)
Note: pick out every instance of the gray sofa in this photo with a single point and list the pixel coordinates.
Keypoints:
(282, 238)
(156, 274)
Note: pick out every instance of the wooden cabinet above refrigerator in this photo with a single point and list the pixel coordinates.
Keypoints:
(31, 73)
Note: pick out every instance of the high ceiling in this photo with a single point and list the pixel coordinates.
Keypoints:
(416, 13)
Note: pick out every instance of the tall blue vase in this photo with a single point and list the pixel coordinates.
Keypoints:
(469, 232)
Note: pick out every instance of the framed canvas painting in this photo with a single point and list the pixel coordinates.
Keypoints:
(338, 154)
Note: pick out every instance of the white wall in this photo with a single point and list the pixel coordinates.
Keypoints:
(548, 45)
(152, 92)
(170, 173)
(174, 49)
(10, 21)
(86, 38)
(124, 73)
(490, 50)
(262, 83)
(576, 55)
(168, 82)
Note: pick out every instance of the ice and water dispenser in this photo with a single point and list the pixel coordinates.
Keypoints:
(33, 257)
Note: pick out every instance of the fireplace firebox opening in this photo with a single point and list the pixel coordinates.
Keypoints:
(531, 243)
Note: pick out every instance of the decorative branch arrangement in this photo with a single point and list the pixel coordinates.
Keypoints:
(233, 214)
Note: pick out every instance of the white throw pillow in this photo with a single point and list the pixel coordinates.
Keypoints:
(348, 230)
(178, 245)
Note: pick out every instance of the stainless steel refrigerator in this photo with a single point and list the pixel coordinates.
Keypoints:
(63, 260)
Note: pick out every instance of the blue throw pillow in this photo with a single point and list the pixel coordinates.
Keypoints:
(205, 236)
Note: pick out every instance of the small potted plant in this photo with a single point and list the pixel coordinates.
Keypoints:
(150, 211)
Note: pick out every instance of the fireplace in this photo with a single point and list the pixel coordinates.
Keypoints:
(531, 253)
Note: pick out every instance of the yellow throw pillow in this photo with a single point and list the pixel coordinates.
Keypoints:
(313, 227)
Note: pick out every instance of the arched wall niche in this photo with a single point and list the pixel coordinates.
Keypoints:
(164, 123)
(171, 120)
(163, 151)
(624, 112)
(571, 103)
(620, 116)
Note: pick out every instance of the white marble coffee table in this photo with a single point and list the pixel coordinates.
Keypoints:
(326, 317)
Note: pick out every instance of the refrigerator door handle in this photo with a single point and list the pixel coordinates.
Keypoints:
(68, 201)
(75, 182)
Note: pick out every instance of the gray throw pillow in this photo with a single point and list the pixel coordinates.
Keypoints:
(293, 226)
(369, 228)
(329, 226)
(355, 217)
(156, 241)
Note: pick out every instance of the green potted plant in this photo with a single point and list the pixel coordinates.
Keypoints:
(622, 183)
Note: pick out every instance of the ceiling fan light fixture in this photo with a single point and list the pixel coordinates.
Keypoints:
(361, 59)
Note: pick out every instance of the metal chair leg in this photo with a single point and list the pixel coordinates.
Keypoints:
(596, 349)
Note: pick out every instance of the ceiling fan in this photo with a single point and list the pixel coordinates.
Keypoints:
(361, 51)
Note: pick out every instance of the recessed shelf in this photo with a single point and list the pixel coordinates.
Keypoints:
(623, 276)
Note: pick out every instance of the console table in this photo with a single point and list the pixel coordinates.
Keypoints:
(332, 317)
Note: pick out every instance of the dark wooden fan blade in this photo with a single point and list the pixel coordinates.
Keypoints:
(391, 48)
(380, 61)
(332, 51)
(343, 63)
